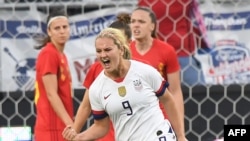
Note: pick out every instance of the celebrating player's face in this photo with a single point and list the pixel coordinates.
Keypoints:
(108, 53)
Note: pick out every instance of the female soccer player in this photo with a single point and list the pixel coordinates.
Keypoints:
(159, 54)
(53, 92)
(83, 112)
(128, 93)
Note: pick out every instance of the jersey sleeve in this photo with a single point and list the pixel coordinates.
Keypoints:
(50, 63)
(156, 81)
(172, 62)
(98, 110)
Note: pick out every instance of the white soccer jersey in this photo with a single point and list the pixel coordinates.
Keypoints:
(132, 104)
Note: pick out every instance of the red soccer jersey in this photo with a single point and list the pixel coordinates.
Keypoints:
(161, 56)
(48, 125)
(93, 72)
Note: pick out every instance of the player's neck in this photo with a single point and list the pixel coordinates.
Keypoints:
(59, 47)
(144, 45)
(121, 72)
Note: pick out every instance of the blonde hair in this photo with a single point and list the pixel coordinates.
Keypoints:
(119, 39)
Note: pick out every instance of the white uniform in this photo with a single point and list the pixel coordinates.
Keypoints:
(132, 104)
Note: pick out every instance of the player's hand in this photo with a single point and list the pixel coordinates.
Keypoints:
(69, 133)
(77, 138)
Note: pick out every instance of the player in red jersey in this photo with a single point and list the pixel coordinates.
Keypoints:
(175, 19)
(175, 24)
(53, 91)
(159, 54)
(84, 109)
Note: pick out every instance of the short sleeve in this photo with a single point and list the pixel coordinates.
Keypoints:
(172, 62)
(49, 63)
(156, 81)
(98, 110)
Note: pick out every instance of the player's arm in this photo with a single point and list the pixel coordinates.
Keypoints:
(173, 114)
(173, 75)
(81, 117)
(99, 129)
(83, 112)
(84, 109)
(173, 78)
(175, 89)
(51, 87)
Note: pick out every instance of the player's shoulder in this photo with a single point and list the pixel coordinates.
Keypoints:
(99, 80)
(140, 66)
(132, 43)
(48, 49)
(142, 70)
(137, 63)
(163, 44)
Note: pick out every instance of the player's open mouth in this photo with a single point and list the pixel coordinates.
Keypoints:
(136, 32)
(106, 62)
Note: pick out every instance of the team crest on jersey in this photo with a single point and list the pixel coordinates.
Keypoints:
(137, 84)
(122, 91)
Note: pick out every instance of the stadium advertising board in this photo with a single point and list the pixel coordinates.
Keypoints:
(19, 36)
(227, 60)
